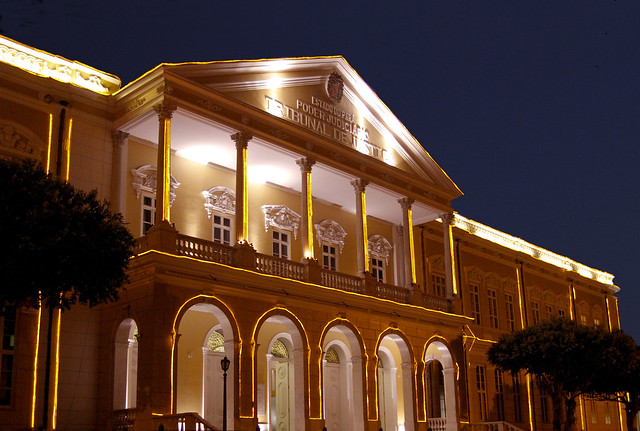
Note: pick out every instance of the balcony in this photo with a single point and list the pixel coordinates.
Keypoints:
(166, 239)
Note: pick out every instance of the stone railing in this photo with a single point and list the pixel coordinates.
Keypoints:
(190, 421)
(123, 420)
(493, 426)
(278, 266)
(165, 238)
(393, 293)
(205, 250)
(437, 424)
(436, 303)
(338, 280)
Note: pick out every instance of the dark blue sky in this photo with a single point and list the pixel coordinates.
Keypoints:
(532, 108)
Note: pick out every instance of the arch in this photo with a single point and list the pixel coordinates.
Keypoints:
(396, 398)
(125, 365)
(280, 382)
(440, 382)
(343, 382)
(197, 371)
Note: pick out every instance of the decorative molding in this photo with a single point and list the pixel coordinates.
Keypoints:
(436, 264)
(405, 203)
(241, 139)
(492, 280)
(475, 275)
(281, 217)
(51, 66)
(165, 109)
(330, 232)
(119, 138)
(145, 179)
(335, 87)
(221, 199)
(359, 185)
(19, 141)
(379, 246)
(305, 164)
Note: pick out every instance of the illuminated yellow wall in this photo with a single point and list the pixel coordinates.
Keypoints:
(193, 330)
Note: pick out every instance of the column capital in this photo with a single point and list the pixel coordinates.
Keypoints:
(406, 203)
(305, 164)
(447, 219)
(165, 109)
(359, 185)
(241, 139)
(119, 138)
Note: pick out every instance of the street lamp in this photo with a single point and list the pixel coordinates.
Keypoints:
(224, 363)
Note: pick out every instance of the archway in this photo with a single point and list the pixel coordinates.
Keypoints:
(395, 384)
(125, 370)
(440, 387)
(342, 376)
(280, 378)
(205, 337)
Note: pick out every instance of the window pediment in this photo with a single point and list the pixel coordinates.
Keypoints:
(16, 140)
(330, 232)
(281, 217)
(145, 179)
(379, 246)
(221, 199)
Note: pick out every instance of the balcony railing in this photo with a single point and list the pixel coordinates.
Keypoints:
(437, 424)
(244, 256)
(183, 422)
(493, 426)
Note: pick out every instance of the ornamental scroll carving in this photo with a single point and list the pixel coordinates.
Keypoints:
(379, 246)
(330, 232)
(14, 141)
(281, 217)
(221, 199)
(145, 179)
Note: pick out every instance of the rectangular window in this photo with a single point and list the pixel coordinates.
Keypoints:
(493, 309)
(222, 229)
(329, 257)
(280, 244)
(511, 322)
(7, 337)
(583, 319)
(544, 406)
(517, 397)
(148, 212)
(561, 313)
(482, 391)
(594, 412)
(499, 394)
(377, 269)
(596, 321)
(548, 311)
(475, 303)
(535, 312)
(607, 414)
(439, 285)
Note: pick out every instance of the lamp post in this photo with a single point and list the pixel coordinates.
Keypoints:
(224, 363)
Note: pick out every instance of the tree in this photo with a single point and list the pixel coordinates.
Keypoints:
(563, 356)
(61, 246)
(618, 378)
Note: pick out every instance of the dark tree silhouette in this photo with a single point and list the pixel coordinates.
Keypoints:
(61, 246)
(564, 356)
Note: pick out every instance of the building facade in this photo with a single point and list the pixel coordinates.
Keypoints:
(288, 222)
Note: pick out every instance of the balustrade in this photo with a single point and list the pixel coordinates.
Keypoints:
(213, 252)
(189, 421)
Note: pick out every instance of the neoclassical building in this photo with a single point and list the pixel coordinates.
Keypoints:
(288, 222)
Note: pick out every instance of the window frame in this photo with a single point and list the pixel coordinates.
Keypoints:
(280, 243)
(146, 225)
(230, 229)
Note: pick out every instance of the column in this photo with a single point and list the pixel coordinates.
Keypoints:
(118, 169)
(450, 398)
(407, 243)
(242, 216)
(362, 246)
(163, 174)
(306, 204)
(449, 260)
(398, 255)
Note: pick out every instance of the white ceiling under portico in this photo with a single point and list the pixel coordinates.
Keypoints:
(204, 141)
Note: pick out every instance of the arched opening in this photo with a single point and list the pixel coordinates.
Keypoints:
(440, 387)
(125, 371)
(395, 394)
(280, 375)
(342, 394)
(205, 338)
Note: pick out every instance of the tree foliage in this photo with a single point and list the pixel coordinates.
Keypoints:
(567, 360)
(59, 243)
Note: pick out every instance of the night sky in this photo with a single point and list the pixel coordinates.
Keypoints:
(532, 108)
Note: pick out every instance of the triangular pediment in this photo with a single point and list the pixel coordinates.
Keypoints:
(326, 96)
